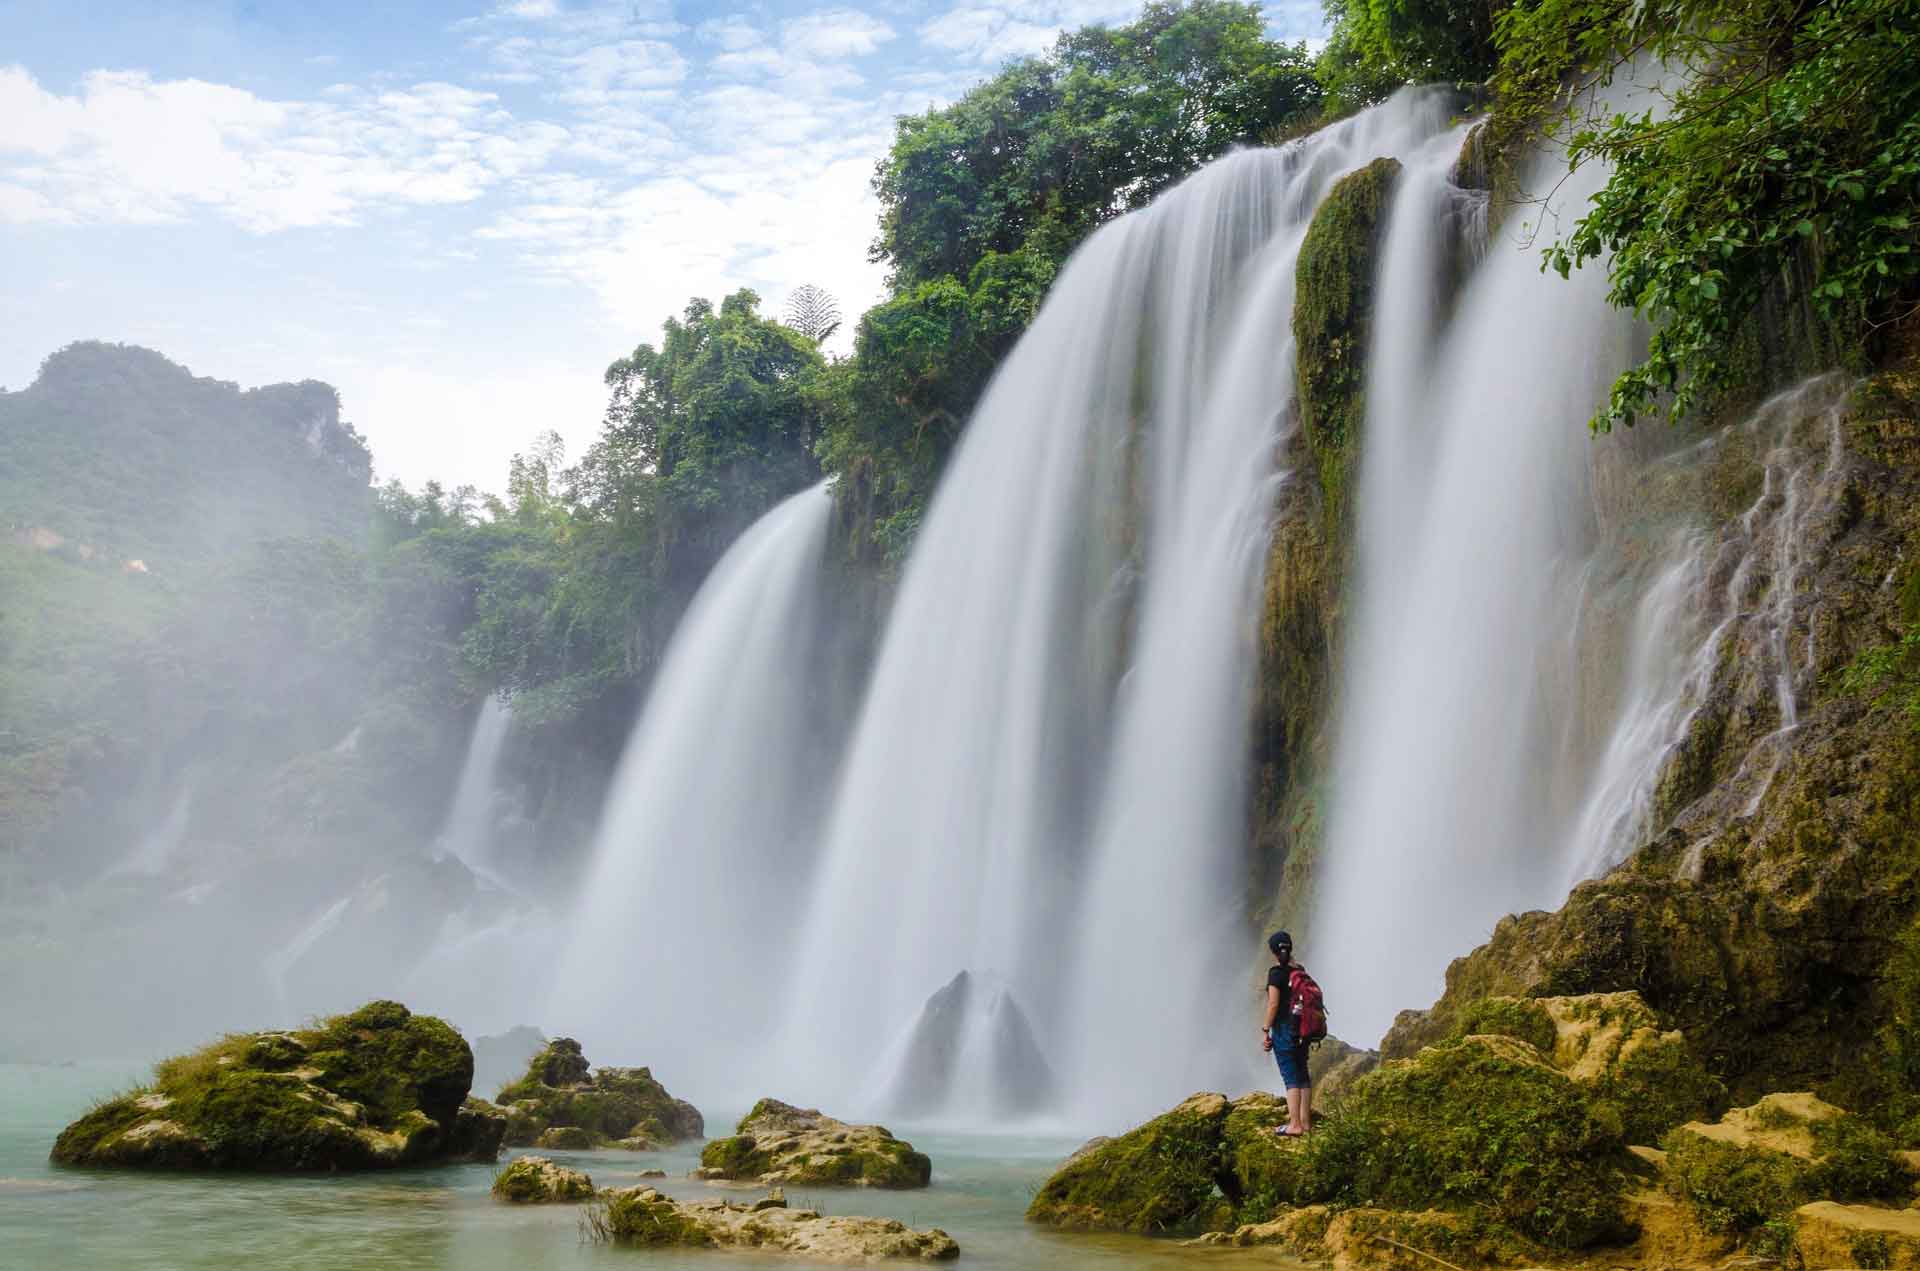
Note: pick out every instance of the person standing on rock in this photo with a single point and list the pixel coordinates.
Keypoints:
(1279, 1033)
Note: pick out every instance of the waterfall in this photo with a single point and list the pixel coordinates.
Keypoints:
(157, 848)
(1474, 531)
(675, 956)
(468, 831)
(1047, 778)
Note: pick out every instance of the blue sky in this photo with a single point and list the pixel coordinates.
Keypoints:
(457, 213)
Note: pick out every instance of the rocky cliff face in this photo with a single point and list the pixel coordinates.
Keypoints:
(1772, 895)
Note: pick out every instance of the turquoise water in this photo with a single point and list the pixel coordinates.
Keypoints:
(445, 1218)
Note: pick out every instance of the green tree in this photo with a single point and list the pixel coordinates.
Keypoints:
(1785, 161)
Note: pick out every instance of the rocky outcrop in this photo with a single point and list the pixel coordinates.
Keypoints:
(535, 1180)
(978, 1029)
(779, 1143)
(562, 1103)
(375, 1089)
(644, 1216)
(1646, 1076)
(1437, 1131)
(1777, 885)
(1833, 1235)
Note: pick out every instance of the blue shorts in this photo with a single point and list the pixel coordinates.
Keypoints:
(1292, 1058)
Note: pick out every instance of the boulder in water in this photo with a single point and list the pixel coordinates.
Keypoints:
(972, 1037)
(535, 1180)
(563, 1103)
(378, 1088)
(644, 1216)
(779, 1143)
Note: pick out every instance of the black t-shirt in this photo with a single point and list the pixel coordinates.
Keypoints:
(1281, 977)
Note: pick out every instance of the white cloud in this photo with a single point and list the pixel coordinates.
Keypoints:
(834, 33)
(133, 149)
(994, 31)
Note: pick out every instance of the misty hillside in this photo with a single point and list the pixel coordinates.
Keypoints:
(116, 451)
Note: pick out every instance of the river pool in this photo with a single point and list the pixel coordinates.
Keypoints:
(445, 1218)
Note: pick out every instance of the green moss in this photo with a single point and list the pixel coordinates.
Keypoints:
(1855, 1161)
(379, 1087)
(1509, 1017)
(1259, 1171)
(1333, 319)
(1871, 1251)
(1160, 1176)
(736, 1157)
(642, 1216)
(536, 1180)
(560, 1089)
(1659, 1086)
(1731, 1188)
(1477, 1125)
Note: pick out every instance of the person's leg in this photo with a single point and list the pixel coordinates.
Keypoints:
(1294, 1124)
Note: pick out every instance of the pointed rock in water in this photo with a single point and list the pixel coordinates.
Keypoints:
(1018, 1081)
(535, 1180)
(644, 1216)
(562, 1103)
(779, 1143)
(378, 1088)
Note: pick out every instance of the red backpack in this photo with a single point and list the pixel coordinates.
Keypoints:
(1309, 1007)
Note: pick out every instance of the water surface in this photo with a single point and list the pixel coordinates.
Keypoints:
(445, 1218)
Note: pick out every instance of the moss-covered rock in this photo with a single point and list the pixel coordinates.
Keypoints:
(649, 1218)
(1866, 1236)
(777, 1143)
(1161, 1176)
(380, 1087)
(535, 1180)
(1643, 1076)
(1482, 1125)
(563, 1103)
(1333, 322)
(1765, 914)
(1756, 1165)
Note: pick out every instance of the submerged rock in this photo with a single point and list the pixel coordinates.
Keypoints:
(562, 1103)
(779, 1143)
(378, 1088)
(535, 1180)
(644, 1216)
(972, 1036)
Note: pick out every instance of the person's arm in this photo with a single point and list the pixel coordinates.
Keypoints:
(1273, 1013)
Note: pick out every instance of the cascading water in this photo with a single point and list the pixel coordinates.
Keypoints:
(1088, 578)
(677, 950)
(1470, 553)
(468, 832)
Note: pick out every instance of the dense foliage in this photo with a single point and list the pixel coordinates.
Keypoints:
(982, 201)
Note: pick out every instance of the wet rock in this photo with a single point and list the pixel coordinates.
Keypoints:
(1832, 1235)
(965, 1015)
(563, 1103)
(1158, 1177)
(779, 1143)
(375, 1089)
(535, 1180)
(477, 1131)
(644, 1216)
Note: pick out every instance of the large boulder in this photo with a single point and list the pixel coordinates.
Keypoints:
(378, 1088)
(1833, 1235)
(644, 1216)
(1755, 1166)
(562, 1102)
(535, 1180)
(1483, 1127)
(777, 1143)
(1614, 1045)
(1158, 1177)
